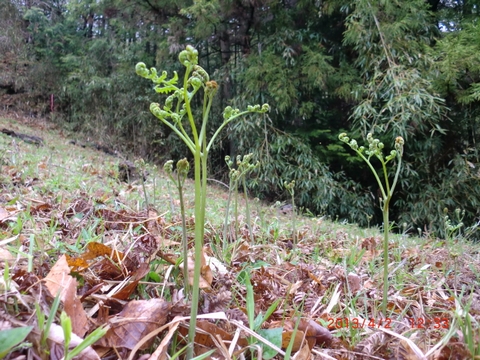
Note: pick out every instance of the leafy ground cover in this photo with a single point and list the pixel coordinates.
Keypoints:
(83, 252)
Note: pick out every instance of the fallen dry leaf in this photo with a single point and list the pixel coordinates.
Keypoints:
(3, 214)
(95, 249)
(137, 319)
(303, 354)
(6, 256)
(206, 275)
(135, 278)
(59, 280)
(298, 341)
(161, 352)
(309, 330)
(354, 282)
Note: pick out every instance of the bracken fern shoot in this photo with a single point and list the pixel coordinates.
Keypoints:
(375, 149)
(177, 113)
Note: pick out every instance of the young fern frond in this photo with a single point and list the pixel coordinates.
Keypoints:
(195, 79)
(375, 149)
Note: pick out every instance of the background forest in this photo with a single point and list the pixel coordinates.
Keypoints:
(406, 68)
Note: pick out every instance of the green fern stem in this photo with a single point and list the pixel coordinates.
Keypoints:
(375, 149)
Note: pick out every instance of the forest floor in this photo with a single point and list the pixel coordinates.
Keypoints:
(112, 251)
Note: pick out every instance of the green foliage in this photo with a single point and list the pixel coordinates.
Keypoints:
(287, 74)
(396, 96)
(399, 96)
(283, 157)
(99, 98)
(453, 187)
(458, 63)
(10, 338)
(44, 326)
(92, 338)
(273, 335)
(13, 51)
(468, 325)
(402, 68)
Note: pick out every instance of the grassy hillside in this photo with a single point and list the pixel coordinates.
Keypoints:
(321, 286)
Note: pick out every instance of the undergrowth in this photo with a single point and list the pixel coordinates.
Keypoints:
(288, 275)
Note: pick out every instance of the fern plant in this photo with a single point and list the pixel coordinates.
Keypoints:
(375, 149)
(177, 114)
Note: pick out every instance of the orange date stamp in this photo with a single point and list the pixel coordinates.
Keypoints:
(358, 323)
(362, 323)
(424, 323)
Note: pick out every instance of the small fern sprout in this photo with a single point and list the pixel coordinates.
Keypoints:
(195, 82)
(344, 138)
(399, 142)
(189, 56)
(141, 70)
(290, 187)
(168, 167)
(353, 144)
(183, 166)
(211, 87)
(229, 161)
(392, 155)
(230, 112)
(375, 149)
(200, 73)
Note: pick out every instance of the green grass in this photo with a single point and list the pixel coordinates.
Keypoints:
(57, 198)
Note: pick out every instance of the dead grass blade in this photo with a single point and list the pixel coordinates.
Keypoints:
(413, 346)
